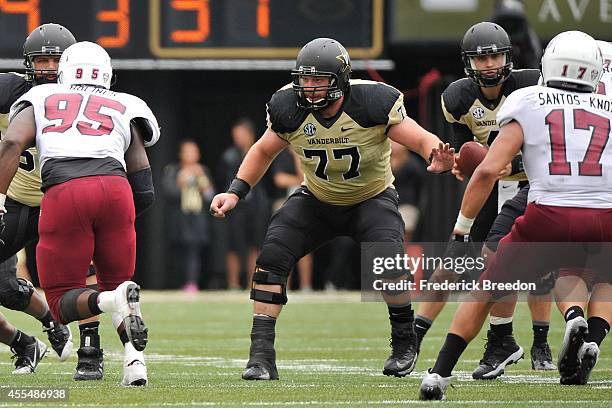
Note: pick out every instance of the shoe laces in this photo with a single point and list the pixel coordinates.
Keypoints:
(21, 360)
(542, 351)
(90, 360)
(401, 341)
(56, 333)
(493, 347)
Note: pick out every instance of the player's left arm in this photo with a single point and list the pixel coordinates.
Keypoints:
(20, 135)
(139, 172)
(409, 133)
(507, 144)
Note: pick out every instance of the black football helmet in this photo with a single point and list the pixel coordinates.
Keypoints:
(323, 57)
(486, 38)
(48, 39)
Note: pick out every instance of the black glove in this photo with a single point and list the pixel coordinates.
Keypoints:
(464, 255)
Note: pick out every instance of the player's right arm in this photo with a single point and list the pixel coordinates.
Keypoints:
(253, 167)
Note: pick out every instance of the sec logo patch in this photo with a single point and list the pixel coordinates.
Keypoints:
(310, 129)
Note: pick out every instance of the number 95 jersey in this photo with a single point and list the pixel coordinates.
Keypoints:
(80, 121)
(345, 158)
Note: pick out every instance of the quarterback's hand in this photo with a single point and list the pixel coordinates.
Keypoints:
(456, 172)
(222, 203)
(442, 158)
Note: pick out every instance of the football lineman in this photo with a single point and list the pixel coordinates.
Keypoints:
(93, 188)
(340, 129)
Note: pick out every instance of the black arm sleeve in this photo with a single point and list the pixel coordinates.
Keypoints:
(141, 182)
(461, 135)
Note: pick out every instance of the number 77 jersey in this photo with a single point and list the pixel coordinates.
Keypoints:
(566, 149)
(81, 121)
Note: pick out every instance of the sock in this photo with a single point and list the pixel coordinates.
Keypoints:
(501, 330)
(598, 329)
(105, 301)
(449, 355)
(421, 326)
(46, 319)
(89, 334)
(573, 312)
(540, 332)
(401, 314)
(21, 340)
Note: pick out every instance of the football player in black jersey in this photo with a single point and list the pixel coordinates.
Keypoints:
(470, 105)
(340, 129)
(41, 50)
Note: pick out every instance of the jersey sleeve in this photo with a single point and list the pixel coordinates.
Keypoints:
(398, 111)
(141, 110)
(12, 86)
(282, 113)
(34, 97)
(512, 108)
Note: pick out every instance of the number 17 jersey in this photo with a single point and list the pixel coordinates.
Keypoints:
(566, 149)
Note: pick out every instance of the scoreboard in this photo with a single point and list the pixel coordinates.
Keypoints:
(200, 29)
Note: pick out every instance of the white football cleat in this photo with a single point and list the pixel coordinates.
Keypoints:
(433, 386)
(134, 368)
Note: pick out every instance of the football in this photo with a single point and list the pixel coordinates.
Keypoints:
(471, 155)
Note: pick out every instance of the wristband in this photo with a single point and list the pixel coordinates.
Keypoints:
(2, 199)
(463, 224)
(239, 187)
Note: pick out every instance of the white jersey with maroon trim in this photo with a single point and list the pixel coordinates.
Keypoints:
(566, 150)
(80, 121)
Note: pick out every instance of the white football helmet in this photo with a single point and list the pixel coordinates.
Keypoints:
(85, 63)
(572, 60)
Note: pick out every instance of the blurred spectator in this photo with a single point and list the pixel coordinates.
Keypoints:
(246, 224)
(409, 172)
(288, 176)
(526, 45)
(188, 191)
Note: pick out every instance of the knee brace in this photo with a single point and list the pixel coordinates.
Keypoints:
(15, 294)
(269, 278)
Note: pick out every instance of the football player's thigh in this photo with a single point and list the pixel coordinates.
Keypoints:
(66, 241)
(115, 236)
(485, 218)
(511, 210)
(378, 219)
(295, 229)
(21, 225)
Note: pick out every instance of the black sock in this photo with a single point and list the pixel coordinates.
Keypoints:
(598, 328)
(449, 355)
(540, 333)
(421, 326)
(573, 312)
(46, 319)
(21, 340)
(401, 314)
(501, 330)
(89, 334)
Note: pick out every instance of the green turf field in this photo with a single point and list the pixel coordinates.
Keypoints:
(330, 350)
